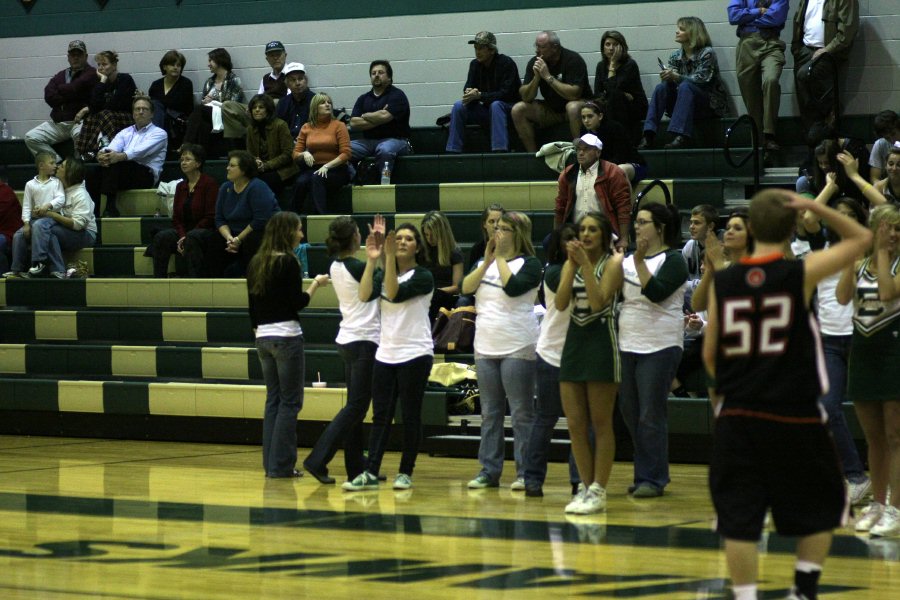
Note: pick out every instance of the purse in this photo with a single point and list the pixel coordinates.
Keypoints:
(454, 330)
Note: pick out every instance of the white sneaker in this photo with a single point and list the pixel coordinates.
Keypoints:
(594, 500)
(574, 506)
(402, 482)
(858, 492)
(870, 516)
(888, 525)
(518, 485)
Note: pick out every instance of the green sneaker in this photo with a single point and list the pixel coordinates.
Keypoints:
(402, 482)
(482, 481)
(363, 481)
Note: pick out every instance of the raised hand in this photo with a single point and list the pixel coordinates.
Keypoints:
(378, 225)
(374, 244)
(390, 244)
(715, 253)
(850, 163)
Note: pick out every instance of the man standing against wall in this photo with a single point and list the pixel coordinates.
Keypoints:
(821, 27)
(759, 59)
(492, 87)
(561, 76)
(67, 93)
(382, 114)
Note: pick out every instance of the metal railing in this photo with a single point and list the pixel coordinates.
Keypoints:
(754, 151)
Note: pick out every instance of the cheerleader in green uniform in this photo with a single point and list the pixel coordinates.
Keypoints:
(589, 372)
(874, 379)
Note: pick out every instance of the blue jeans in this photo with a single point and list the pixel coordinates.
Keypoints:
(319, 189)
(837, 354)
(403, 382)
(281, 359)
(547, 411)
(346, 427)
(497, 115)
(685, 102)
(643, 403)
(385, 151)
(499, 380)
(4, 253)
(49, 240)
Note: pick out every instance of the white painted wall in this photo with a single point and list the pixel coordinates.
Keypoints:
(430, 54)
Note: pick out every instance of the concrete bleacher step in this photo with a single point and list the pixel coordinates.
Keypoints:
(139, 398)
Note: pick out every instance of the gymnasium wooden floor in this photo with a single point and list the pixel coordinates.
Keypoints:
(83, 518)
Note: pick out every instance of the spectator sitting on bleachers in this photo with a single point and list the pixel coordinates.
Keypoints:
(382, 114)
(193, 220)
(617, 80)
(703, 220)
(173, 97)
(293, 109)
(443, 259)
(890, 185)
(270, 143)
(617, 145)
(887, 127)
(491, 89)
(109, 111)
(244, 206)
(273, 84)
(691, 86)
(594, 185)
(561, 76)
(323, 152)
(737, 243)
(221, 87)
(825, 161)
(132, 160)
(70, 228)
(10, 221)
(67, 93)
(43, 193)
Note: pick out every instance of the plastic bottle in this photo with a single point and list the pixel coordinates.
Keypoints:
(4, 130)
(386, 174)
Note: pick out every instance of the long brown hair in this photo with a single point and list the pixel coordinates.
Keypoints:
(278, 239)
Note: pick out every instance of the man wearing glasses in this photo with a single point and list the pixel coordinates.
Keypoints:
(133, 159)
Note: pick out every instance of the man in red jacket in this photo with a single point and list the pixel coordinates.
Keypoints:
(594, 184)
(67, 93)
(10, 221)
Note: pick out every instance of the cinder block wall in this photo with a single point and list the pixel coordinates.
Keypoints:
(429, 52)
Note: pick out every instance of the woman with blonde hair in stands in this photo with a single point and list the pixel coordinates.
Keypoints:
(444, 260)
(873, 285)
(275, 295)
(505, 284)
(322, 151)
(589, 369)
(109, 110)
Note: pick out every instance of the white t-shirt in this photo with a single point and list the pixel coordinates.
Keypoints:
(813, 25)
(585, 194)
(38, 193)
(360, 321)
(554, 326)
(405, 329)
(506, 323)
(834, 318)
(646, 326)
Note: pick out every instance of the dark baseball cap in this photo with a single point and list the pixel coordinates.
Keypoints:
(77, 45)
(485, 38)
(274, 46)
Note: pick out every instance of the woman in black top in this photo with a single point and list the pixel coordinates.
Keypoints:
(274, 287)
(618, 81)
(173, 97)
(445, 261)
(109, 110)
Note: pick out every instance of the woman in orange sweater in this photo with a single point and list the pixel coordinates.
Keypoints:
(322, 151)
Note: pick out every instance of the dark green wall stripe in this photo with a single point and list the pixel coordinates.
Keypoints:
(124, 398)
(54, 17)
(29, 394)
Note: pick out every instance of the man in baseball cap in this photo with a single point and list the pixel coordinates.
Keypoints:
(491, 89)
(293, 109)
(273, 84)
(594, 185)
(67, 93)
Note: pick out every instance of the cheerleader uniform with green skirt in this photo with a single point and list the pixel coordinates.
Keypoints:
(591, 352)
(874, 370)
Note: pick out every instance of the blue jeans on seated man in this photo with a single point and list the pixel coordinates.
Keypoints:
(496, 115)
(684, 102)
(282, 362)
(499, 380)
(49, 240)
(643, 403)
(385, 150)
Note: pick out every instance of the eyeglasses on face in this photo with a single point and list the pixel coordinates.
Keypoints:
(642, 222)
